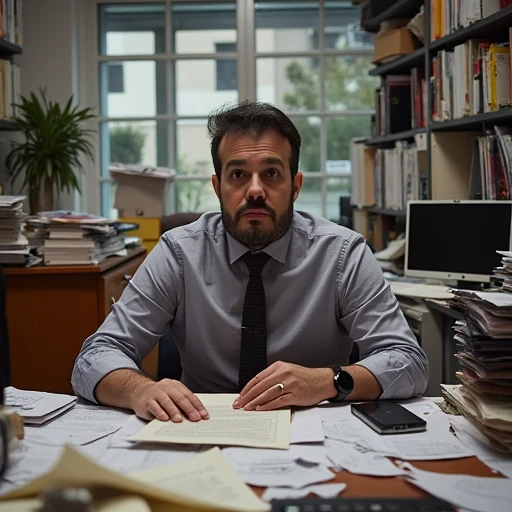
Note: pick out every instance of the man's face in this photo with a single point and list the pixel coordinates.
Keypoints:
(256, 191)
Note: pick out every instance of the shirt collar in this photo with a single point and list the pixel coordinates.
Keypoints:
(276, 250)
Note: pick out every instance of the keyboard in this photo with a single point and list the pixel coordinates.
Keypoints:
(362, 505)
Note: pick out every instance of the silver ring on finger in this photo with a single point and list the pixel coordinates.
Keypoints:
(281, 388)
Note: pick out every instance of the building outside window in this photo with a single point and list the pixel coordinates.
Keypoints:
(163, 66)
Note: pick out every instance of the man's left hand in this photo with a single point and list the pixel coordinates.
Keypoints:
(285, 384)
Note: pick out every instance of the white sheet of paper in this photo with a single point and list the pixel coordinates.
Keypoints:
(474, 493)
(36, 406)
(274, 468)
(314, 453)
(81, 425)
(135, 458)
(206, 477)
(226, 426)
(344, 455)
(322, 490)
(132, 426)
(472, 439)
(306, 426)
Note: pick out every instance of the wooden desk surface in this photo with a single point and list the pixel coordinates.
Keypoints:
(361, 486)
(103, 266)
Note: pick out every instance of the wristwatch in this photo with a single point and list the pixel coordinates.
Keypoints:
(343, 382)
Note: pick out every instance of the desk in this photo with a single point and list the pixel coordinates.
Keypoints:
(51, 310)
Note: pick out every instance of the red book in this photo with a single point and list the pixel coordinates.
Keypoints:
(505, 3)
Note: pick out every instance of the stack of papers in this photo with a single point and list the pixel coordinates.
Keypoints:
(13, 245)
(37, 407)
(484, 341)
(504, 273)
(391, 259)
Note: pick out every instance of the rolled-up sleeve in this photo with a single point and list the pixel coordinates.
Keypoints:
(374, 320)
(136, 322)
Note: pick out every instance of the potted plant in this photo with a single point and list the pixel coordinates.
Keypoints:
(49, 159)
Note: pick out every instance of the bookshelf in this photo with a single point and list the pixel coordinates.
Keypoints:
(445, 152)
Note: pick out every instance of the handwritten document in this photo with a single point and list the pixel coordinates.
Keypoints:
(226, 426)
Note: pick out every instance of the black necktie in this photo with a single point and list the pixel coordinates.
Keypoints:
(253, 347)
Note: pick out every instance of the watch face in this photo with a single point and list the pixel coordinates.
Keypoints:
(344, 381)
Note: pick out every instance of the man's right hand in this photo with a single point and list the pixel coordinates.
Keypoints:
(167, 399)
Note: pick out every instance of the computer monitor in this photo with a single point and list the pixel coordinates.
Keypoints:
(456, 240)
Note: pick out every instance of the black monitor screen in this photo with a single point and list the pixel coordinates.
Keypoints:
(458, 237)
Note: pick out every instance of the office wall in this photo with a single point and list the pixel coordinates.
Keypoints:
(52, 58)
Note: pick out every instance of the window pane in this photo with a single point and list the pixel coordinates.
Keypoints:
(195, 196)
(284, 27)
(342, 28)
(288, 83)
(133, 88)
(132, 29)
(309, 129)
(340, 130)
(193, 148)
(197, 86)
(336, 188)
(310, 197)
(347, 83)
(142, 142)
(198, 27)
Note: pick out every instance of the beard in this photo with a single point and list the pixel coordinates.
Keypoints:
(255, 235)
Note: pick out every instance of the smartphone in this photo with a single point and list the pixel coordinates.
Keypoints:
(388, 418)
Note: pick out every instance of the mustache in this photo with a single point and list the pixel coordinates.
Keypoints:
(255, 204)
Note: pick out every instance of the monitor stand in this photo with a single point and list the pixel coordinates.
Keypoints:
(472, 285)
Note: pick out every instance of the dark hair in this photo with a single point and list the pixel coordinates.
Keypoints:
(252, 118)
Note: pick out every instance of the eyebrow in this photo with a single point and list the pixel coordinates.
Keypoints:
(270, 160)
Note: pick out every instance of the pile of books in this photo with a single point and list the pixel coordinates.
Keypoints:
(70, 238)
(484, 341)
(13, 244)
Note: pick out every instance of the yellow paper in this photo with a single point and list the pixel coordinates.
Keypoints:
(226, 426)
(75, 469)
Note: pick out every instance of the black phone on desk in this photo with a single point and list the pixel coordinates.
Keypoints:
(388, 417)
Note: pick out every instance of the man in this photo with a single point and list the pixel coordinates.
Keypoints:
(279, 333)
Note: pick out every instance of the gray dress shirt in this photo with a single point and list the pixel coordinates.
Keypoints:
(324, 291)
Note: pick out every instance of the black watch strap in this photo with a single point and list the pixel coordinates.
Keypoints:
(343, 382)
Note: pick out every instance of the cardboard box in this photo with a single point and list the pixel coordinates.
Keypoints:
(394, 43)
(140, 190)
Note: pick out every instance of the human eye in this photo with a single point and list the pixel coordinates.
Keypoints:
(237, 174)
(272, 173)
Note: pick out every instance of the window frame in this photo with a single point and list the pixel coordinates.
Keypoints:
(246, 57)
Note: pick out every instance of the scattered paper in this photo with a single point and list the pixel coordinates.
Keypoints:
(226, 426)
(326, 491)
(37, 407)
(474, 493)
(274, 468)
(132, 426)
(344, 455)
(314, 453)
(81, 425)
(208, 478)
(135, 458)
(306, 426)
(75, 469)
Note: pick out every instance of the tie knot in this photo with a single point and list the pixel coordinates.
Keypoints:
(255, 261)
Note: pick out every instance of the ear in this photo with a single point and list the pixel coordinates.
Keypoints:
(216, 185)
(297, 184)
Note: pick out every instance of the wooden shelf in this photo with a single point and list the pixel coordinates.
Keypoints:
(503, 116)
(389, 213)
(8, 48)
(393, 137)
(405, 63)
(494, 27)
(400, 9)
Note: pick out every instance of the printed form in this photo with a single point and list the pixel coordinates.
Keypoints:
(226, 426)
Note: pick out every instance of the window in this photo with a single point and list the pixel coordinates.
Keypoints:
(226, 69)
(163, 66)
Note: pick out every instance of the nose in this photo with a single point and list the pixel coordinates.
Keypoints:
(255, 190)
